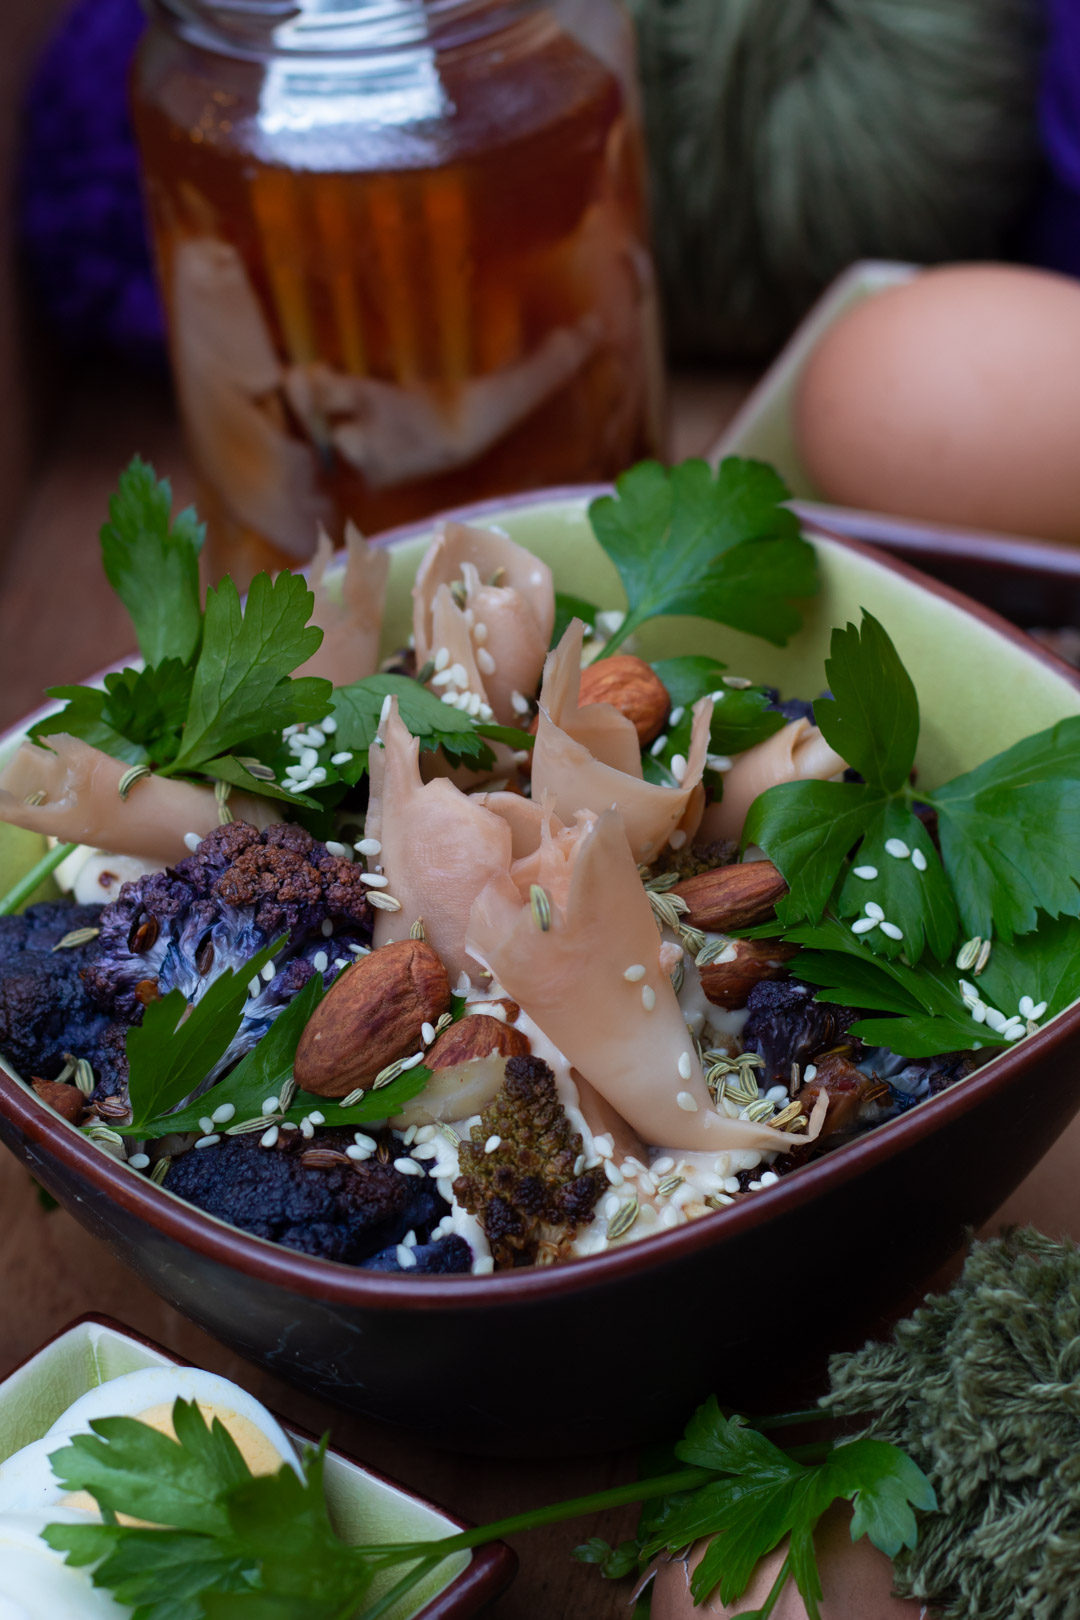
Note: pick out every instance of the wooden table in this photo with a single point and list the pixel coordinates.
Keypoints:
(58, 622)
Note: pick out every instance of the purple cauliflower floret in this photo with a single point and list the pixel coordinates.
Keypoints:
(45, 1011)
(238, 892)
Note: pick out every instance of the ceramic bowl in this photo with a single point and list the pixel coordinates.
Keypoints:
(745, 1303)
(365, 1506)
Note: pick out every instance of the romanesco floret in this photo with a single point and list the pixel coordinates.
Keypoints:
(527, 1191)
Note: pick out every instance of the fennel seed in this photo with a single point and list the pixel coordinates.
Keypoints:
(623, 1219)
(418, 931)
(133, 774)
(84, 1076)
(77, 937)
(541, 907)
(160, 1171)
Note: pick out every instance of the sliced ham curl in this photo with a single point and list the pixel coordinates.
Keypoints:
(348, 608)
(590, 759)
(571, 981)
(82, 803)
(796, 753)
(517, 612)
(439, 846)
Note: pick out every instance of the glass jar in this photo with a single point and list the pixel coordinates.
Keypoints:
(403, 250)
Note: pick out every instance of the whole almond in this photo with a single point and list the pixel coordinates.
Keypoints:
(370, 1017)
(749, 961)
(630, 686)
(476, 1036)
(736, 896)
(67, 1100)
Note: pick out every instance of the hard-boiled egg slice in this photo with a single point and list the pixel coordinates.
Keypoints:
(36, 1584)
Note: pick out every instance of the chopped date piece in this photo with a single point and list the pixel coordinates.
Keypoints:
(786, 1026)
(45, 1011)
(347, 1211)
(855, 1100)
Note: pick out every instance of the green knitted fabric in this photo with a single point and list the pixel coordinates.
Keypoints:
(982, 1387)
(789, 137)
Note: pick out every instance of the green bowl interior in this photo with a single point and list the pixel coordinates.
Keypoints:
(364, 1508)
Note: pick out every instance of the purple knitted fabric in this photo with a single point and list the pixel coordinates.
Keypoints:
(81, 215)
(1054, 236)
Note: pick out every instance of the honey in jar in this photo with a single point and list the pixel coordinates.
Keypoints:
(403, 252)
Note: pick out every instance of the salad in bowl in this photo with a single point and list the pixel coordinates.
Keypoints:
(527, 930)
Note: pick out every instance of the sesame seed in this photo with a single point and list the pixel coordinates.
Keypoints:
(317, 775)
(978, 1011)
(139, 1161)
(614, 1176)
(459, 674)
(341, 759)
(718, 762)
(206, 1125)
(267, 971)
(1027, 1006)
(405, 1257)
(485, 712)
(738, 683)
(329, 725)
(375, 880)
(518, 703)
(918, 860)
(316, 737)
(753, 1186)
(864, 925)
(579, 1164)
(334, 848)
(1014, 1029)
(637, 971)
(307, 1128)
(289, 1125)
(484, 1266)
(308, 759)
(480, 631)
(675, 716)
(410, 1136)
(192, 841)
(271, 1105)
(872, 909)
(492, 1143)
(604, 1145)
(320, 961)
(769, 1179)
(611, 1203)
(484, 661)
(363, 1140)
(866, 872)
(995, 1020)
(662, 1166)
(317, 1117)
(659, 745)
(1038, 1010)
(327, 928)
(427, 1033)
(897, 849)
(686, 1067)
(411, 1062)
(677, 839)
(687, 1102)
(408, 1167)
(892, 931)
(368, 846)
(223, 1114)
(445, 677)
(809, 1073)
(208, 1141)
(359, 1155)
(648, 997)
(268, 1138)
(777, 1094)
(678, 767)
(384, 712)
(341, 962)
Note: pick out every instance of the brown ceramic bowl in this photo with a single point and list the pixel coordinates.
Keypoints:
(746, 1303)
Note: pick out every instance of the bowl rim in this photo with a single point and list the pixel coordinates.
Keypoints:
(333, 1283)
(491, 1567)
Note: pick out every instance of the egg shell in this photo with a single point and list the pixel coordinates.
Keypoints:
(952, 398)
(36, 1583)
(855, 1576)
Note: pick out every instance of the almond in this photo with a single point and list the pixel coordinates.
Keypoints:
(478, 1036)
(630, 686)
(371, 1016)
(65, 1099)
(735, 896)
(729, 983)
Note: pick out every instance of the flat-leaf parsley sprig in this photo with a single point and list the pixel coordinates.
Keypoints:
(1008, 830)
(230, 1546)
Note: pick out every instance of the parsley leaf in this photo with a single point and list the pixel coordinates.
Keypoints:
(172, 1051)
(83, 715)
(263, 1071)
(241, 686)
(720, 547)
(136, 715)
(568, 608)
(872, 717)
(1008, 833)
(357, 709)
(153, 566)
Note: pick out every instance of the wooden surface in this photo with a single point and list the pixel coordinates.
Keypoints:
(58, 622)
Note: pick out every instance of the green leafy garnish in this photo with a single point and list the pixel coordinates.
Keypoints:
(569, 607)
(741, 715)
(229, 1546)
(1007, 829)
(722, 547)
(152, 564)
(263, 1071)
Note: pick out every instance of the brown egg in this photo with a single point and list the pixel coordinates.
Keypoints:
(856, 1579)
(954, 398)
